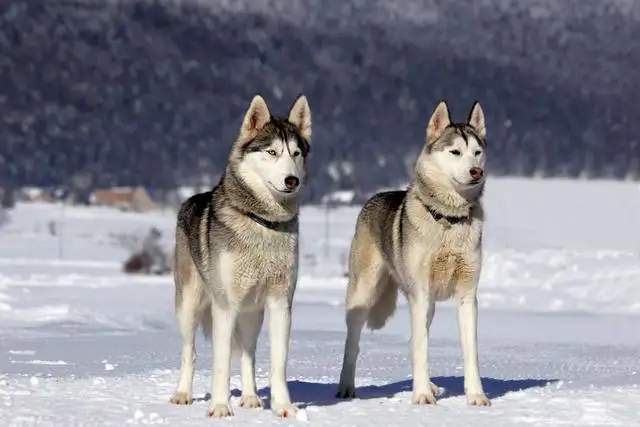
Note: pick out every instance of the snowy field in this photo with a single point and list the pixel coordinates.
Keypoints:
(81, 344)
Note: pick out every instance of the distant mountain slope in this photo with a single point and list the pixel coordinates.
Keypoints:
(152, 92)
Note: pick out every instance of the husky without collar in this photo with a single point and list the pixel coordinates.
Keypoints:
(237, 252)
(425, 241)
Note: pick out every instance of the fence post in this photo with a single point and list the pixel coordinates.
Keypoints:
(60, 232)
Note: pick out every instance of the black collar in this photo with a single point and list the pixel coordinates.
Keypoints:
(272, 225)
(450, 219)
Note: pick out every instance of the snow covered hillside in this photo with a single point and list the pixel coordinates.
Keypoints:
(82, 344)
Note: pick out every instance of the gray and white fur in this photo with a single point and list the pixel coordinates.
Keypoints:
(237, 253)
(425, 242)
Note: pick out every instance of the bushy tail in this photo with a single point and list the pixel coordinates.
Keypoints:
(206, 322)
(385, 305)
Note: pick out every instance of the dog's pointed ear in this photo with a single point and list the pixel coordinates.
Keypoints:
(476, 119)
(438, 122)
(255, 118)
(300, 116)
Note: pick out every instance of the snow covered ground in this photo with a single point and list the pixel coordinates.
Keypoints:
(81, 344)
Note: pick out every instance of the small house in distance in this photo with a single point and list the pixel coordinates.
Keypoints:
(128, 199)
(35, 195)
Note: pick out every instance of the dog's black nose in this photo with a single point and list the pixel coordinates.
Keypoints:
(476, 173)
(291, 182)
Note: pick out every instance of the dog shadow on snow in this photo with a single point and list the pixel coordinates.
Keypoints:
(308, 393)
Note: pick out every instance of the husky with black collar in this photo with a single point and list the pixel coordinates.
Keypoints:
(425, 242)
(237, 252)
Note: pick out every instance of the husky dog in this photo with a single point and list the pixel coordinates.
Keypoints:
(237, 251)
(426, 242)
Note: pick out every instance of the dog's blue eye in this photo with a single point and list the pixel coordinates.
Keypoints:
(455, 152)
(477, 153)
(271, 152)
(296, 153)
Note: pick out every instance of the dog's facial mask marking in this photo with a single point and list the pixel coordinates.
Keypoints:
(280, 164)
(462, 160)
(456, 150)
(275, 150)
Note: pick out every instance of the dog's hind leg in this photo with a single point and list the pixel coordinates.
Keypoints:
(356, 318)
(247, 331)
(188, 298)
(368, 285)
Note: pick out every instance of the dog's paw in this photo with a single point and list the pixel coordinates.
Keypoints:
(284, 410)
(219, 410)
(346, 392)
(181, 398)
(435, 390)
(424, 398)
(478, 399)
(250, 401)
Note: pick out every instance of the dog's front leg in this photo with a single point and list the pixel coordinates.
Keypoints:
(420, 306)
(468, 325)
(224, 321)
(249, 325)
(279, 333)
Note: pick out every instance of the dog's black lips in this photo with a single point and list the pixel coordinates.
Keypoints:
(287, 191)
(468, 184)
